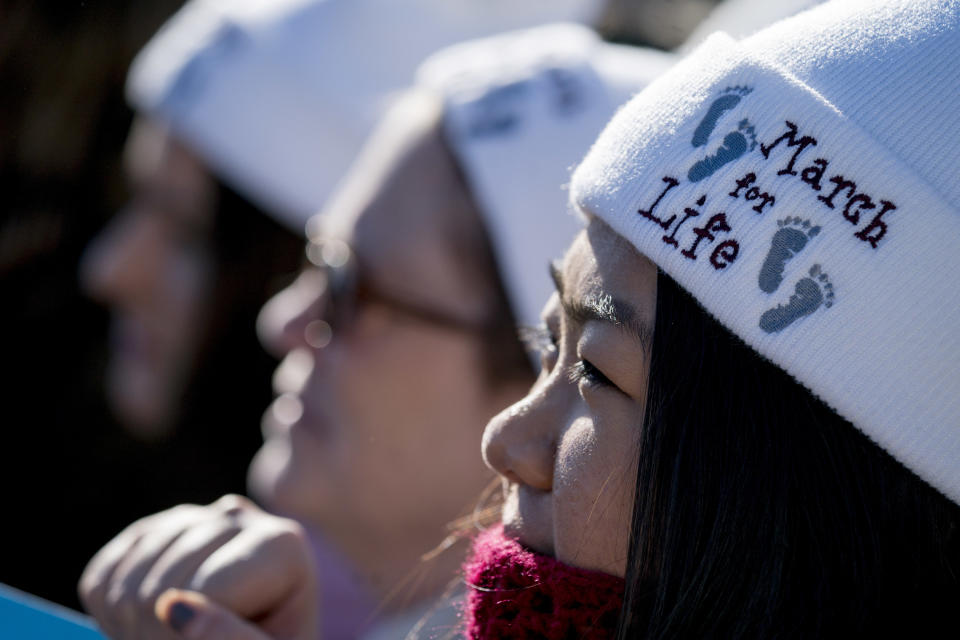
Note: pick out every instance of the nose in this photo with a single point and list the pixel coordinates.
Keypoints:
(283, 322)
(520, 442)
(117, 264)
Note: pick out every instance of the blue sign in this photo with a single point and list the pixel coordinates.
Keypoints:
(23, 616)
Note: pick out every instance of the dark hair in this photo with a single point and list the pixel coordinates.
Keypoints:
(761, 513)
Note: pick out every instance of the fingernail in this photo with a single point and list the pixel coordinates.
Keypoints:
(180, 615)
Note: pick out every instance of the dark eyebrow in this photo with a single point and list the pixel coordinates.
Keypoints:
(604, 308)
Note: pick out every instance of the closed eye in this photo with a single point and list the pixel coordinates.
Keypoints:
(584, 371)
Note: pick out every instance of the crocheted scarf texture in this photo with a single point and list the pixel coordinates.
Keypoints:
(516, 593)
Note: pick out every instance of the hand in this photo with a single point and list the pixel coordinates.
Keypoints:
(227, 568)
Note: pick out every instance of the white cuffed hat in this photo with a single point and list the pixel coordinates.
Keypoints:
(277, 95)
(521, 109)
(802, 184)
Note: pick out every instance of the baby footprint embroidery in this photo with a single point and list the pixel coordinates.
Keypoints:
(735, 143)
(788, 241)
(809, 293)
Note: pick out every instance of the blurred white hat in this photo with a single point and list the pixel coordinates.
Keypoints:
(277, 95)
(521, 109)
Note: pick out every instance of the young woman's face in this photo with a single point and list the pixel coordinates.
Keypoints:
(567, 452)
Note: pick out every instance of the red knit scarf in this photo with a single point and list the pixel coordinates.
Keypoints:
(516, 593)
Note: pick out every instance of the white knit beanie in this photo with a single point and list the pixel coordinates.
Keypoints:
(521, 109)
(803, 186)
(276, 96)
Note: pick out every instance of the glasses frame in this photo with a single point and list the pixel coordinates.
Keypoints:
(347, 290)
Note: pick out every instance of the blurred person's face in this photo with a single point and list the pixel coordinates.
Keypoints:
(153, 268)
(375, 436)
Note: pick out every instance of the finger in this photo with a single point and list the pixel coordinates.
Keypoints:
(178, 564)
(264, 573)
(120, 601)
(296, 616)
(236, 506)
(95, 579)
(98, 574)
(194, 616)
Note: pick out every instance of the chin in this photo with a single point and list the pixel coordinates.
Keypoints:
(279, 484)
(268, 476)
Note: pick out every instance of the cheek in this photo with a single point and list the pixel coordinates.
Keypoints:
(409, 416)
(593, 492)
(411, 374)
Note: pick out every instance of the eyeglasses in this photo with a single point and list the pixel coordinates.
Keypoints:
(346, 290)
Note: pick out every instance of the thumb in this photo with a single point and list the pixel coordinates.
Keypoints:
(194, 616)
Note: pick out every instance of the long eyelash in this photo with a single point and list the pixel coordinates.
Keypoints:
(537, 339)
(584, 371)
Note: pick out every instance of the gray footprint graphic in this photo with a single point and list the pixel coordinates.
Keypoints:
(788, 241)
(809, 293)
(735, 144)
(730, 98)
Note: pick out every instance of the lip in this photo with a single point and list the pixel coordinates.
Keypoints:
(276, 420)
(293, 373)
(293, 405)
(528, 517)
